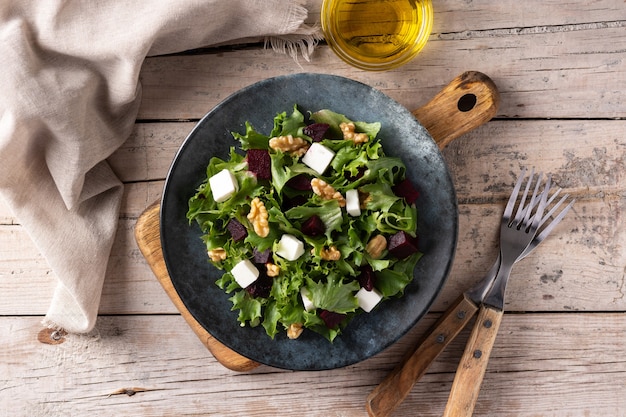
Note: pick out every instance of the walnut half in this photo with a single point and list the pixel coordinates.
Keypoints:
(258, 217)
(330, 254)
(288, 144)
(294, 330)
(349, 134)
(376, 246)
(326, 191)
(273, 270)
(217, 254)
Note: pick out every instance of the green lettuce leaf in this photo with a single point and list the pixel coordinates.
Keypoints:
(335, 119)
(331, 285)
(333, 294)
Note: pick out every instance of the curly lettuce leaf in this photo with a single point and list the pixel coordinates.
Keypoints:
(333, 294)
(331, 285)
(334, 119)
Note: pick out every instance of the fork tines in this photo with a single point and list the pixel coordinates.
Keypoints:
(532, 214)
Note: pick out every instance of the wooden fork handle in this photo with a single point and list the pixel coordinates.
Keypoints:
(471, 369)
(397, 385)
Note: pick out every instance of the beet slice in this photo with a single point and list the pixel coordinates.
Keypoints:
(262, 286)
(300, 182)
(259, 163)
(367, 277)
(237, 230)
(402, 245)
(332, 319)
(316, 131)
(261, 257)
(406, 190)
(313, 226)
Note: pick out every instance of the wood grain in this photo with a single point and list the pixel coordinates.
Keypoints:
(149, 240)
(560, 67)
(467, 102)
(543, 366)
(390, 393)
(469, 374)
(546, 73)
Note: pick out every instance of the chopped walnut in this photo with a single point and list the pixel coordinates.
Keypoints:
(350, 134)
(294, 330)
(217, 254)
(272, 269)
(330, 254)
(326, 191)
(376, 246)
(258, 217)
(288, 144)
(365, 199)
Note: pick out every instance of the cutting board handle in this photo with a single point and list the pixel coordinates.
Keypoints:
(468, 101)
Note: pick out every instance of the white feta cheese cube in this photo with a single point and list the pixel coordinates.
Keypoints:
(318, 157)
(290, 247)
(245, 273)
(353, 206)
(368, 299)
(223, 185)
(308, 304)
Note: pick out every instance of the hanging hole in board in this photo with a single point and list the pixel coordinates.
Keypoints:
(467, 102)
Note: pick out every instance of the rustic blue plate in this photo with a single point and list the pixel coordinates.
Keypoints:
(194, 277)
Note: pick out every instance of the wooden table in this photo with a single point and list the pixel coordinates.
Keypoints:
(561, 351)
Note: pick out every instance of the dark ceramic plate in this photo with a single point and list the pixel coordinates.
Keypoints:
(185, 255)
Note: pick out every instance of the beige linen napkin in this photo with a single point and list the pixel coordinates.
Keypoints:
(69, 73)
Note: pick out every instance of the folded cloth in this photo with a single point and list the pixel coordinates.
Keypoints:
(69, 72)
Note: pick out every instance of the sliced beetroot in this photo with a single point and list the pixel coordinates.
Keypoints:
(332, 319)
(313, 226)
(300, 182)
(367, 277)
(237, 230)
(259, 163)
(261, 257)
(402, 245)
(406, 190)
(261, 287)
(316, 131)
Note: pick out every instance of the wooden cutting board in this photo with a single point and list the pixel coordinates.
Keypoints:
(469, 101)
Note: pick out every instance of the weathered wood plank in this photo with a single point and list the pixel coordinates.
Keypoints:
(462, 15)
(580, 267)
(531, 373)
(585, 75)
(585, 156)
(551, 60)
(459, 16)
(578, 151)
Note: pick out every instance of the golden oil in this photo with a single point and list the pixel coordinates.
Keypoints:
(377, 34)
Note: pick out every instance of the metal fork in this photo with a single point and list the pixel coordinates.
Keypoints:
(525, 231)
(516, 234)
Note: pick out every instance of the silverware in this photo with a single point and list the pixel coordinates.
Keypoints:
(520, 235)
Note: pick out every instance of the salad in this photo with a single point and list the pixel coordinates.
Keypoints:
(312, 223)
